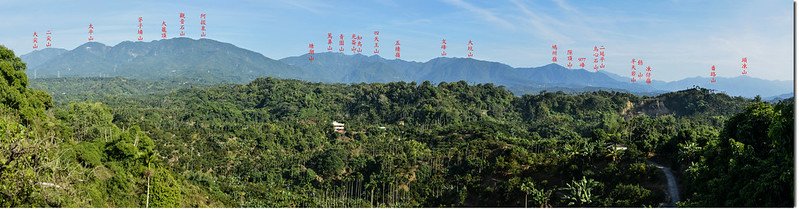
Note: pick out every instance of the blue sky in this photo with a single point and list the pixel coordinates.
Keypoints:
(678, 38)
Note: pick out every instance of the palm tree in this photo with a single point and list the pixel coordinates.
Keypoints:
(540, 196)
(579, 192)
(527, 188)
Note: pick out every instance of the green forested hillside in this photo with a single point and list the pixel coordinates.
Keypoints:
(75, 156)
(270, 143)
(77, 89)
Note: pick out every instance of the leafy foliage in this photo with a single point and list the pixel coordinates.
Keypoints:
(269, 143)
(750, 163)
(73, 156)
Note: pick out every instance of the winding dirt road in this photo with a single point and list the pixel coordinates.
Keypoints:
(671, 181)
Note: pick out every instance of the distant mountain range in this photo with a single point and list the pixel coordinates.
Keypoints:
(201, 60)
(36, 58)
(209, 61)
(338, 67)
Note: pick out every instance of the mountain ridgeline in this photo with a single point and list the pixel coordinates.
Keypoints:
(199, 61)
(206, 61)
(337, 67)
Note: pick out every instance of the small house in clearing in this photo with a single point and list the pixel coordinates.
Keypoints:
(616, 147)
(338, 127)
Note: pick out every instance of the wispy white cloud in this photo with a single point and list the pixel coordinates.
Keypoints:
(415, 22)
(565, 6)
(390, 3)
(539, 24)
(484, 13)
(577, 20)
(315, 7)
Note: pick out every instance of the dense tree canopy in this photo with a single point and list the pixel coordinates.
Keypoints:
(270, 143)
(74, 156)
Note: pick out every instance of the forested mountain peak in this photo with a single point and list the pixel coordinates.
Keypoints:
(37, 57)
(200, 61)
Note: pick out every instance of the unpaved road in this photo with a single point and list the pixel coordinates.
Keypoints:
(671, 181)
